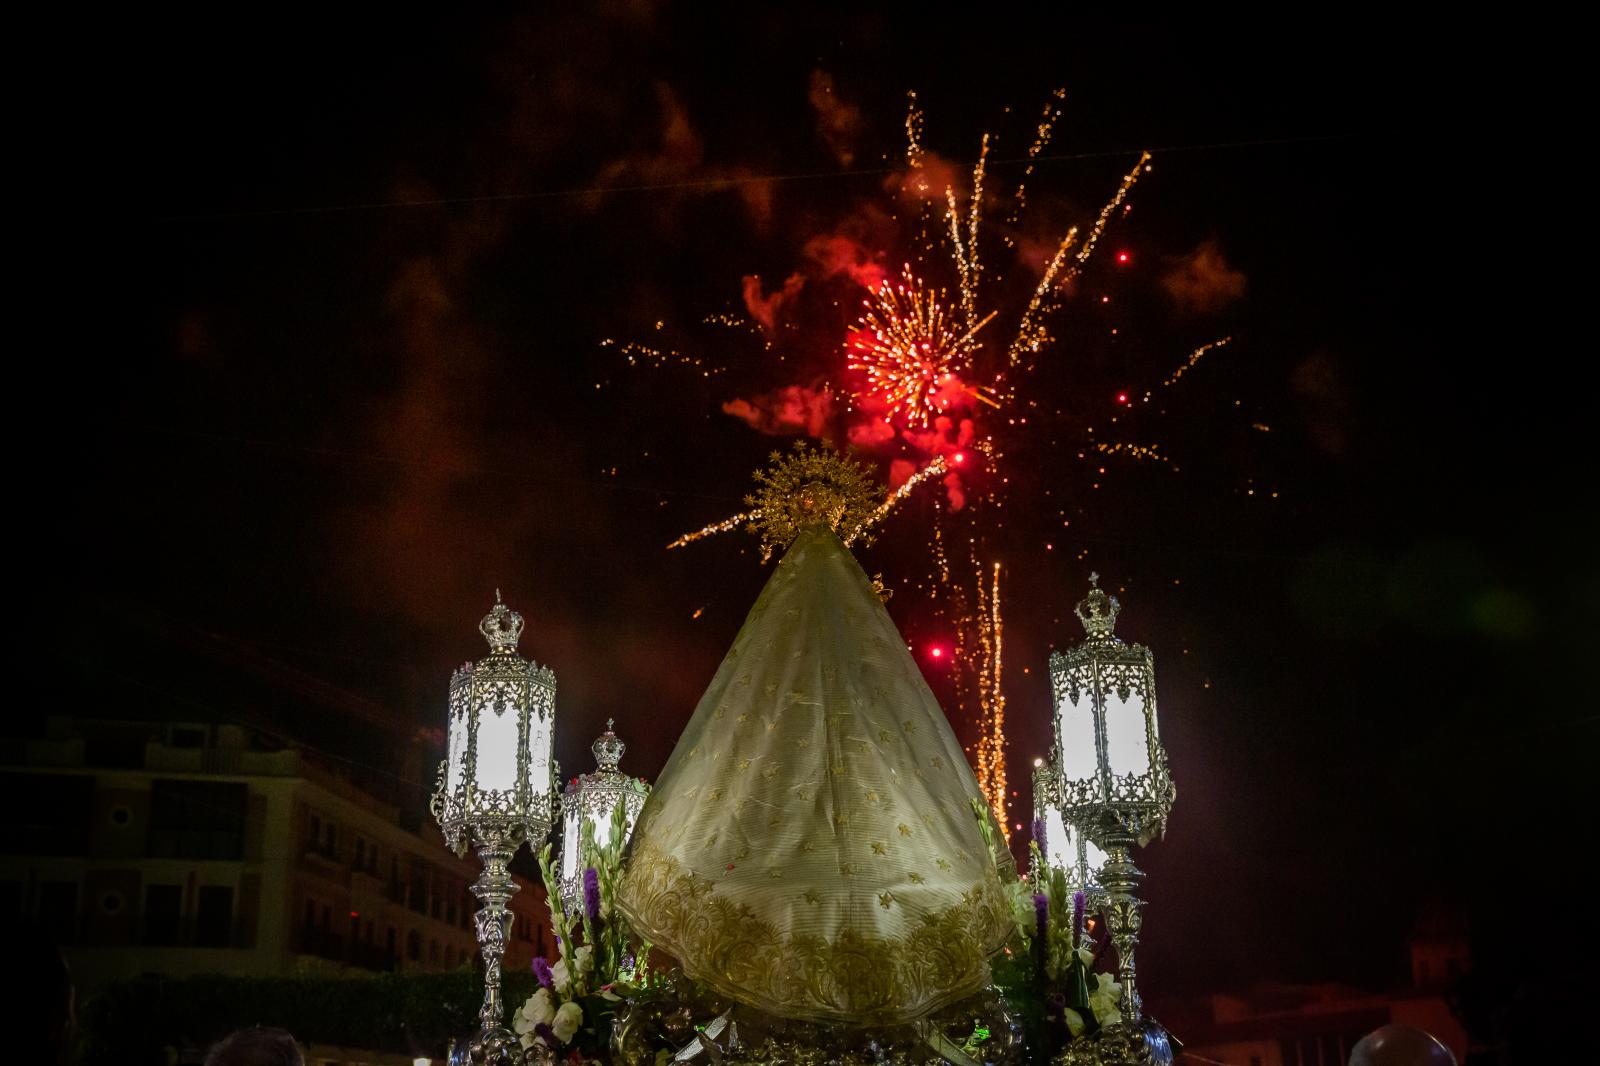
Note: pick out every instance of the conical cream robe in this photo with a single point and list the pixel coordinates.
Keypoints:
(811, 848)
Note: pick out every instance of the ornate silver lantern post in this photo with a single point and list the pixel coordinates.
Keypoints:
(593, 798)
(1113, 781)
(495, 790)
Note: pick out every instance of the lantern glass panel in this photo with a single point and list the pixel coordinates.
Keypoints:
(569, 844)
(1078, 759)
(497, 749)
(1058, 850)
(1127, 744)
(539, 780)
(1093, 858)
(457, 752)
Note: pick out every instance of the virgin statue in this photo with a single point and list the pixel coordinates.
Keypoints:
(817, 846)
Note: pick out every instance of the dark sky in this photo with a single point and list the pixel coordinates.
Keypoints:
(329, 380)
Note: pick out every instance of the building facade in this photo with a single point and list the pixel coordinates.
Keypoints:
(181, 849)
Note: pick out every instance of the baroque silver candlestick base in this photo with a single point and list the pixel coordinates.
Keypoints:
(1119, 878)
(494, 889)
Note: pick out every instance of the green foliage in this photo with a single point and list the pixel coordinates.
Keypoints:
(134, 1022)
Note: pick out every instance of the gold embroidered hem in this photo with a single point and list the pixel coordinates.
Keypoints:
(853, 978)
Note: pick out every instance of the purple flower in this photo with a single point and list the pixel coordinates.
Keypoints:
(1041, 914)
(541, 970)
(591, 893)
(1077, 917)
(1038, 832)
(547, 1034)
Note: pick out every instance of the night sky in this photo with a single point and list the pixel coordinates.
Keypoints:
(329, 379)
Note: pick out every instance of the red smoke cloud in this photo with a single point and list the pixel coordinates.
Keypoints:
(790, 410)
(928, 181)
(833, 254)
(1202, 281)
(764, 308)
(838, 122)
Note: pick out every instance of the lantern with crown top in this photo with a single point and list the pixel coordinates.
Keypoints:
(496, 788)
(592, 799)
(1112, 783)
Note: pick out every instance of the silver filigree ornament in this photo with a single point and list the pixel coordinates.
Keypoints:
(593, 799)
(1108, 777)
(496, 789)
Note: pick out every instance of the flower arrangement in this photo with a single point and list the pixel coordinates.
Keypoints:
(1049, 969)
(568, 1018)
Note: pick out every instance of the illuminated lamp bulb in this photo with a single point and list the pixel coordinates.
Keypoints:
(1123, 257)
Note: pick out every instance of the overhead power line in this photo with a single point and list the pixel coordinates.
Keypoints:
(711, 184)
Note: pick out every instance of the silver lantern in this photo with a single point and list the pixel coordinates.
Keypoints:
(592, 799)
(1112, 780)
(496, 790)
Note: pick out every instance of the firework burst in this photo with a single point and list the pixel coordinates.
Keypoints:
(913, 356)
(910, 385)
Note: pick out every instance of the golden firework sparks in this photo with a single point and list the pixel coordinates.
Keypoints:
(911, 353)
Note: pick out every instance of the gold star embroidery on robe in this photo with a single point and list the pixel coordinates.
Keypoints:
(884, 899)
(803, 743)
(770, 688)
(936, 762)
(713, 795)
(847, 869)
(910, 726)
(872, 796)
(744, 853)
(905, 830)
(943, 865)
(770, 771)
(810, 895)
(917, 879)
(722, 712)
(744, 764)
(807, 846)
(878, 848)
(885, 736)
(840, 821)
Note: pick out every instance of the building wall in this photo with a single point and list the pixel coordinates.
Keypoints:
(195, 854)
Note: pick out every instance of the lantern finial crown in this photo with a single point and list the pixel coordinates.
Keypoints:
(501, 627)
(608, 748)
(1098, 610)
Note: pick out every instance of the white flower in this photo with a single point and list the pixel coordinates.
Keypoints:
(538, 1009)
(568, 1019)
(1075, 1023)
(561, 977)
(583, 961)
(1104, 999)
